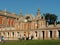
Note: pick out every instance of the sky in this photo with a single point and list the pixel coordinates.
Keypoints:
(31, 6)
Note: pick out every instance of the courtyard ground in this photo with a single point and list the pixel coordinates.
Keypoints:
(32, 42)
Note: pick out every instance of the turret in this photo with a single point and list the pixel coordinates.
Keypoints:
(5, 12)
(38, 14)
(20, 14)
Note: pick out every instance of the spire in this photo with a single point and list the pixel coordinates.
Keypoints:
(20, 13)
(38, 11)
(5, 9)
(5, 12)
(38, 14)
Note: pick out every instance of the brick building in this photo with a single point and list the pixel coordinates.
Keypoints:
(12, 26)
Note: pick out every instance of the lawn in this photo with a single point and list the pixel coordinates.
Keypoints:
(32, 42)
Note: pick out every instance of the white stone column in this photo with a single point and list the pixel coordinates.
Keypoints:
(57, 34)
(41, 35)
(53, 34)
(11, 34)
(38, 34)
(45, 34)
(29, 34)
(16, 34)
(2, 34)
(48, 34)
(6, 34)
(34, 34)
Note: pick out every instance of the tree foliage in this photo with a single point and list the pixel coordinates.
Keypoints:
(58, 22)
(50, 18)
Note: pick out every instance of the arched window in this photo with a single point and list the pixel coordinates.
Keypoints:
(50, 34)
(13, 33)
(36, 33)
(43, 32)
(8, 33)
(59, 33)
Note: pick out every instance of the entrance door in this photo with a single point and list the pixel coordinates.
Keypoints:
(43, 34)
(50, 34)
(59, 33)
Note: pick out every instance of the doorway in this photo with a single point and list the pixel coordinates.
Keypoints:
(59, 33)
(43, 34)
(50, 34)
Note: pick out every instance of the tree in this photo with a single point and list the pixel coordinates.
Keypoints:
(50, 18)
(58, 22)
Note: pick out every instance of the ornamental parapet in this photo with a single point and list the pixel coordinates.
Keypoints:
(7, 28)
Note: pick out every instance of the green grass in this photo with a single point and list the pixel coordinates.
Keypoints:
(32, 42)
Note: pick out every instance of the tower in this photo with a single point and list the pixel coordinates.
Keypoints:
(38, 14)
(5, 12)
(20, 14)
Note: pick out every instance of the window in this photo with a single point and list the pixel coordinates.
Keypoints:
(36, 33)
(8, 33)
(13, 33)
